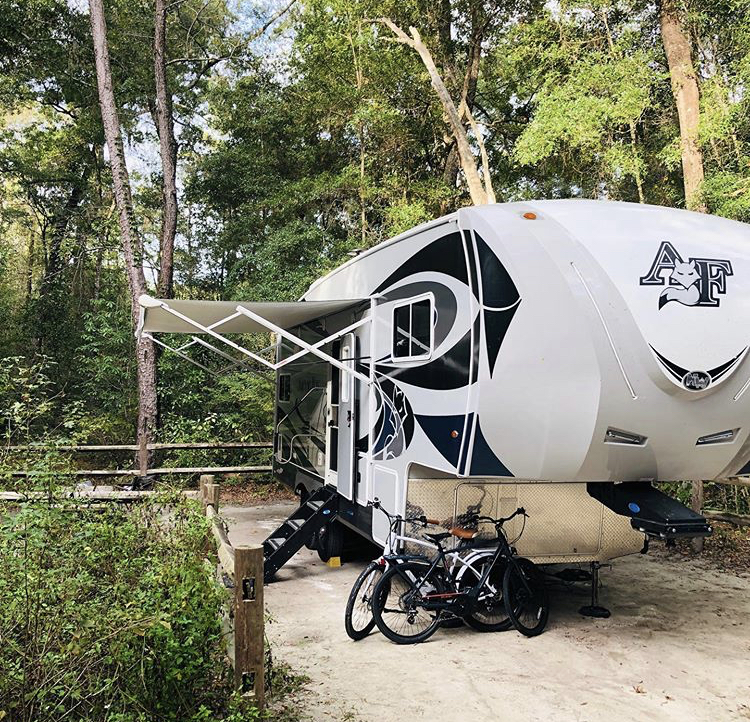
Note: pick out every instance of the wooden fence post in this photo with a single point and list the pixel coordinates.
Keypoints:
(205, 480)
(212, 495)
(696, 503)
(249, 668)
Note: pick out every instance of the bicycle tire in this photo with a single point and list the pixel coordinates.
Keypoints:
(395, 603)
(358, 619)
(490, 614)
(526, 598)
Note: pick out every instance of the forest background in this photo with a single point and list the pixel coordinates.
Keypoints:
(263, 143)
(229, 149)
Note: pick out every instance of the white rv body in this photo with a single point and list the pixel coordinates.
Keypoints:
(569, 343)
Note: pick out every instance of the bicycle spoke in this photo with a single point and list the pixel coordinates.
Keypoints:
(361, 612)
(402, 611)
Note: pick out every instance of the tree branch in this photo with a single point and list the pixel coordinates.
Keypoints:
(479, 195)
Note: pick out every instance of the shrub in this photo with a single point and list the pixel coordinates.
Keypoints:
(109, 614)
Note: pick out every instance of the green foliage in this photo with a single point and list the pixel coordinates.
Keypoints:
(106, 367)
(109, 614)
(26, 398)
(321, 137)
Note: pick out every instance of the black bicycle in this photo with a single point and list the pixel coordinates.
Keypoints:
(467, 558)
(412, 597)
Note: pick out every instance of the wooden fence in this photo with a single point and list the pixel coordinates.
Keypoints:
(142, 470)
(243, 565)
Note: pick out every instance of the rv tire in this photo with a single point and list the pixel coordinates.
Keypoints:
(330, 540)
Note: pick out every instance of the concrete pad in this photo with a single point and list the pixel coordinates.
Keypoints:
(677, 647)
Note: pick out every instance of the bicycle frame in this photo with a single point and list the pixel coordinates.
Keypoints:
(459, 602)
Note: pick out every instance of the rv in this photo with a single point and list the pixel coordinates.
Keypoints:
(557, 355)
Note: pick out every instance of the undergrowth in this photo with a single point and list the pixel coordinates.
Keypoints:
(112, 614)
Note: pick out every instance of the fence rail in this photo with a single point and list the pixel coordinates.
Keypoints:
(150, 447)
(142, 470)
(135, 472)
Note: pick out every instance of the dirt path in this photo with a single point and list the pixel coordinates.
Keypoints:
(677, 647)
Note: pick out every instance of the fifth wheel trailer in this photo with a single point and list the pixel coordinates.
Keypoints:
(557, 355)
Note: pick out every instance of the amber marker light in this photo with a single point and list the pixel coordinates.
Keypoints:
(454, 434)
(529, 216)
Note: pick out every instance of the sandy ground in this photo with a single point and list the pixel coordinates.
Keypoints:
(677, 647)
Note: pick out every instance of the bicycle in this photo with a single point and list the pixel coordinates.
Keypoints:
(411, 597)
(466, 558)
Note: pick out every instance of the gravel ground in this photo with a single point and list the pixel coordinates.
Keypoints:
(675, 648)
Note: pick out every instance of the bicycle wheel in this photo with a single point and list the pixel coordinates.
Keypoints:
(525, 595)
(358, 618)
(398, 603)
(490, 614)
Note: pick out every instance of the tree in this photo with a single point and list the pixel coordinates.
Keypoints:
(590, 76)
(480, 188)
(167, 150)
(687, 99)
(146, 362)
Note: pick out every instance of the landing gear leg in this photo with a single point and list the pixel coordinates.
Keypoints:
(593, 609)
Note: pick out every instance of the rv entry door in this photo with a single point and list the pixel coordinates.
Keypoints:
(342, 422)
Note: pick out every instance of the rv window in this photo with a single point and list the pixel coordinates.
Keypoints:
(285, 387)
(412, 330)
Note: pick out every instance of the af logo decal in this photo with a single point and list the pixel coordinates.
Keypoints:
(695, 282)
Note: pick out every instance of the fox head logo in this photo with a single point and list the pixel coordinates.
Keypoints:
(684, 285)
(695, 282)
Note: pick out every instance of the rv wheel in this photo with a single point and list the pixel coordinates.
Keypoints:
(330, 541)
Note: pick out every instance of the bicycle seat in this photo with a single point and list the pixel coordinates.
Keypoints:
(438, 536)
(461, 533)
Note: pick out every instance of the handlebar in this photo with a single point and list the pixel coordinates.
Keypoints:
(424, 521)
(499, 522)
(396, 518)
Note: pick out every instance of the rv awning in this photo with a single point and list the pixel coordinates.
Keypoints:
(216, 318)
(164, 316)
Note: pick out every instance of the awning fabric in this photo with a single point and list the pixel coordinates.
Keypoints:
(155, 318)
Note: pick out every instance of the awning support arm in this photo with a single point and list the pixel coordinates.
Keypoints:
(218, 336)
(323, 342)
(241, 311)
(309, 348)
(183, 356)
(233, 361)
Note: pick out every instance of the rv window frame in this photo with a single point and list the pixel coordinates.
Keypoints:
(428, 296)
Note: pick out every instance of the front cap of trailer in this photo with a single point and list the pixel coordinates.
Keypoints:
(650, 510)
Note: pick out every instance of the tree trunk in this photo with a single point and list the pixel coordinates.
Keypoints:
(469, 89)
(687, 99)
(168, 151)
(147, 400)
(466, 158)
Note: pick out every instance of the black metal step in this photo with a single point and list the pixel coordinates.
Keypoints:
(320, 508)
(650, 510)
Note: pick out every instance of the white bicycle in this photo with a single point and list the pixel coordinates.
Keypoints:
(467, 562)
